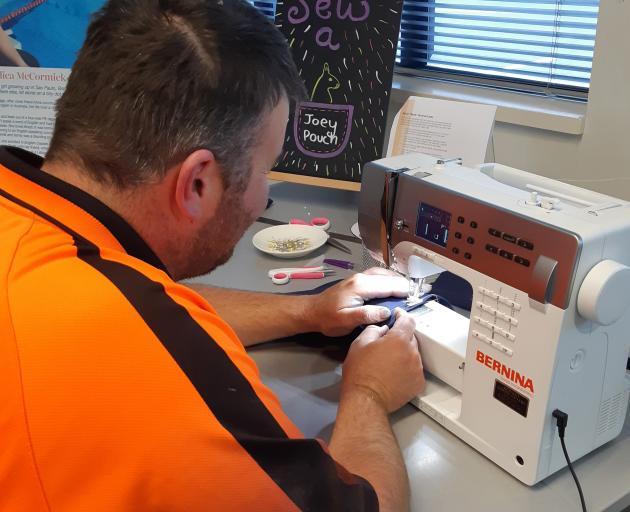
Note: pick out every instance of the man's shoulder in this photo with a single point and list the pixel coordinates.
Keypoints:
(55, 284)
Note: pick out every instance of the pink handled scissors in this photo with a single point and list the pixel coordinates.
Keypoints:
(318, 222)
(294, 270)
(284, 275)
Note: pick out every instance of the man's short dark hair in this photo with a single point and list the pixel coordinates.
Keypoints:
(158, 79)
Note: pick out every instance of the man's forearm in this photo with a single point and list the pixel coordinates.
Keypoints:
(258, 317)
(363, 442)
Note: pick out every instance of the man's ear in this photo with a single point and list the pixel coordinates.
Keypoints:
(198, 186)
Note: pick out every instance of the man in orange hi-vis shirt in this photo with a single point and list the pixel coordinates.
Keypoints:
(122, 390)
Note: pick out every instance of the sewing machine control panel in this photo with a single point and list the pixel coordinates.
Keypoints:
(434, 225)
(521, 245)
(495, 319)
(524, 253)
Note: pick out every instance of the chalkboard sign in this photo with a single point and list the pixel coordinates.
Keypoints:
(345, 51)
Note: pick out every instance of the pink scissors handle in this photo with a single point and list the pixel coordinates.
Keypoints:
(280, 278)
(318, 222)
(321, 222)
(308, 275)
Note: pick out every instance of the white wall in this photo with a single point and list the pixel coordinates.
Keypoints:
(598, 159)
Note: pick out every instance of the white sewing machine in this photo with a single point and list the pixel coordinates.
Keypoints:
(549, 327)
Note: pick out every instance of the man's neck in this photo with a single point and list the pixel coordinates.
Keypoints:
(132, 205)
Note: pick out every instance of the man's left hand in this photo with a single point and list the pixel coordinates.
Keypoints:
(341, 308)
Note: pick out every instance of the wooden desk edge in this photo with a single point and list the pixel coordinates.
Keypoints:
(312, 180)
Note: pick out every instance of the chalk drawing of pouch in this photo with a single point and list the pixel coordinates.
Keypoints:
(322, 130)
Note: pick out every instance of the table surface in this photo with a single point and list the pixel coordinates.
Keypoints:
(445, 473)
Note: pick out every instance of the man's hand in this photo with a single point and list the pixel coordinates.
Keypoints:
(259, 317)
(382, 372)
(339, 309)
(385, 364)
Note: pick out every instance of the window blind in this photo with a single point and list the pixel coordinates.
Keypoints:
(268, 8)
(545, 43)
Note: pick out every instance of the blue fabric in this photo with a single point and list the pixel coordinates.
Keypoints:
(454, 289)
(392, 303)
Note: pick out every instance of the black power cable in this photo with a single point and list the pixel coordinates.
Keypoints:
(562, 418)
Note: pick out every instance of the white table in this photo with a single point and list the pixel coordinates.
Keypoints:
(445, 473)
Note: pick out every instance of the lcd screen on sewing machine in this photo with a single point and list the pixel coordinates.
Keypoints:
(433, 224)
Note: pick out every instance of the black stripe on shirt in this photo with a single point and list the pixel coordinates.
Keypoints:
(28, 165)
(300, 467)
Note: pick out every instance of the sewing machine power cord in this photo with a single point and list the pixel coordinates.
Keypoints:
(562, 418)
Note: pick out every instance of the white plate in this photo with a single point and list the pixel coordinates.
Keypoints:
(355, 230)
(316, 237)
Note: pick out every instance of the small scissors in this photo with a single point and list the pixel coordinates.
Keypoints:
(322, 223)
(284, 275)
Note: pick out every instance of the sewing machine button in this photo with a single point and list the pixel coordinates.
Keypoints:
(455, 250)
(504, 333)
(507, 351)
(458, 235)
(492, 295)
(486, 308)
(511, 303)
(485, 323)
(506, 254)
(521, 261)
(509, 319)
(470, 240)
(482, 337)
(503, 316)
(493, 249)
(461, 219)
(497, 345)
(525, 244)
(509, 238)
(473, 224)
(495, 232)
(467, 255)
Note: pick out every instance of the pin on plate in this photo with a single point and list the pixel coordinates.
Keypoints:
(289, 240)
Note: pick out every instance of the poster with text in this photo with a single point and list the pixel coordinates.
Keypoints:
(345, 52)
(39, 42)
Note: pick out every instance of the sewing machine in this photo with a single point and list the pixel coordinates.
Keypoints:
(549, 326)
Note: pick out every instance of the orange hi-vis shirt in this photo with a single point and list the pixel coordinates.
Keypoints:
(121, 390)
